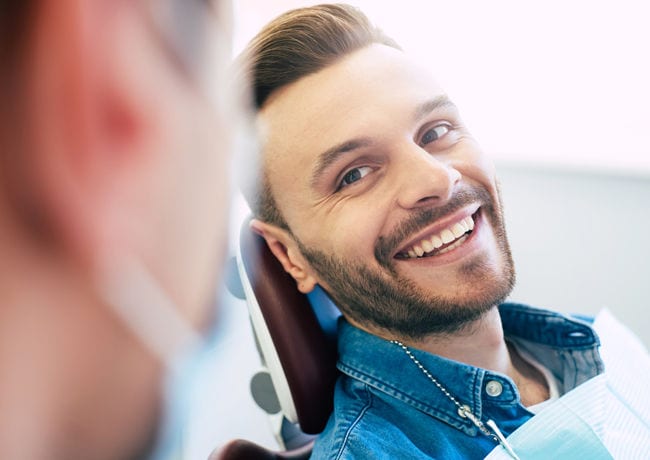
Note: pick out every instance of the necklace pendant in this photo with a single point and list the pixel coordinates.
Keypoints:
(502, 439)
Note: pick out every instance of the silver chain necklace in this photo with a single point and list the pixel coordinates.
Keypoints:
(491, 430)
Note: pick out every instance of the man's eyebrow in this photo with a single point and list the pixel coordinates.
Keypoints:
(332, 154)
(431, 105)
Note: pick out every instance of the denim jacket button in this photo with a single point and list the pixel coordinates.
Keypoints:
(494, 388)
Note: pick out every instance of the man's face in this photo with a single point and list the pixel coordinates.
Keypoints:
(389, 199)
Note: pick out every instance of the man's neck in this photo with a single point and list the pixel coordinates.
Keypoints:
(482, 344)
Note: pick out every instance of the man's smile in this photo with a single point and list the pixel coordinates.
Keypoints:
(431, 233)
(442, 238)
(439, 243)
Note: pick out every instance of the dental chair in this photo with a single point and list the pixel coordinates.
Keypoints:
(296, 338)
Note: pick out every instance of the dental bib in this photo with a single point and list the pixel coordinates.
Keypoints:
(607, 417)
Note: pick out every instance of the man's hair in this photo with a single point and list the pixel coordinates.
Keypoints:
(296, 44)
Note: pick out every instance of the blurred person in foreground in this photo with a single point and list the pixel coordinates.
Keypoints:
(373, 188)
(114, 165)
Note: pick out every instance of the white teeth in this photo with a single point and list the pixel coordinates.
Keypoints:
(436, 241)
(455, 232)
(458, 230)
(447, 236)
(453, 246)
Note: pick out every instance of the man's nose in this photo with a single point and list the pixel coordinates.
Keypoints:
(425, 179)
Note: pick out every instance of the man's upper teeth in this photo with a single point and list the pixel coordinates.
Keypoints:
(446, 236)
(459, 230)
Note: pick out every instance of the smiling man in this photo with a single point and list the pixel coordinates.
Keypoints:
(373, 188)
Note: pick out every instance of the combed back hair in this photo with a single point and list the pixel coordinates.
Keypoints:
(296, 44)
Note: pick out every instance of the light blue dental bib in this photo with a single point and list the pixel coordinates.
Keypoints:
(607, 417)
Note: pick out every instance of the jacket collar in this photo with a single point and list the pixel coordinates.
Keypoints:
(386, 367)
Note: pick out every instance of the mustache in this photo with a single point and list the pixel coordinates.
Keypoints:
(421, 218)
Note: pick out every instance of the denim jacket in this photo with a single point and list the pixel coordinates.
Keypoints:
(386, 408)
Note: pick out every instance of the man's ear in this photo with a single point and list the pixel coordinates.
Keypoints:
(284, 248)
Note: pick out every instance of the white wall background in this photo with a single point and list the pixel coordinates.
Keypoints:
(579, 241)
(559, 93)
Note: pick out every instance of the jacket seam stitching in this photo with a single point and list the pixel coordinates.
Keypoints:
(355, 422)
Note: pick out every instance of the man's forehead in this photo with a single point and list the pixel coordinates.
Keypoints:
(347, 99)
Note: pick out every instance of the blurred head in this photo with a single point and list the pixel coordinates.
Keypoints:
(372, 186)
(114, 160)
(113, 139)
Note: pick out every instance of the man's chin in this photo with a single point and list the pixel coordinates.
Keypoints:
(433, 321)
(413, 304)
(415, 310)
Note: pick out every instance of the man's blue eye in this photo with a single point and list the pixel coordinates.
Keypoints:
(434, 134)
(354, 175)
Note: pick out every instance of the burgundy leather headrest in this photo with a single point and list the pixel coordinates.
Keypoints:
(307, 355)
(240, 449)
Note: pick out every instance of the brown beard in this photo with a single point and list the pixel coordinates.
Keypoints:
(381, 298)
